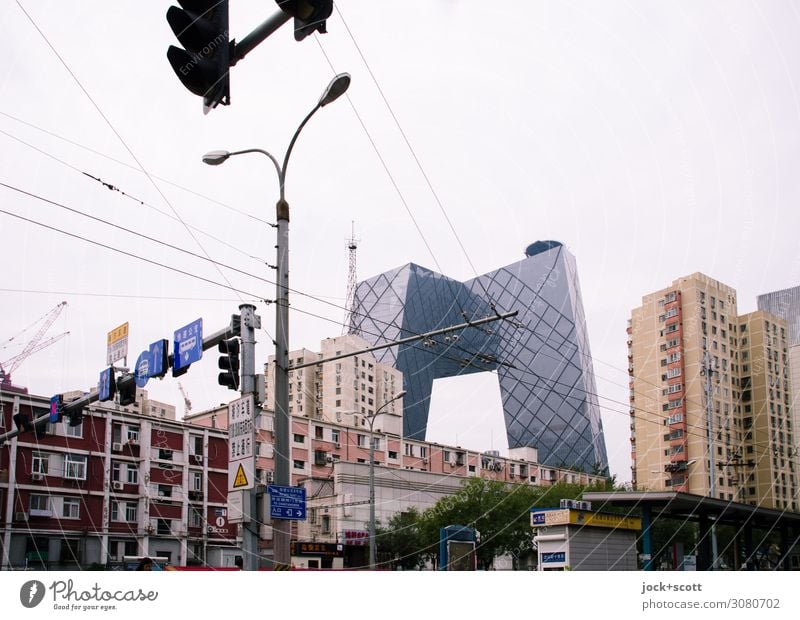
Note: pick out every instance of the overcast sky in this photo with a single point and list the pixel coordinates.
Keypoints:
(654, 139)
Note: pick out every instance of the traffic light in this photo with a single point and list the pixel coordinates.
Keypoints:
(229, 363)
(75, 417)
(201, 26)
(126, 389)
(309, 15)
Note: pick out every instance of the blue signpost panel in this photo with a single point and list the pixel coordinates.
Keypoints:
(188, 347)
(105, 387)
(159, 363)
(141, 372)
(55, 409)
(287, 502)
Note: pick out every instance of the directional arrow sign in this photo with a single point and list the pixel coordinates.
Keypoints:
(287, 502)
(188, 345)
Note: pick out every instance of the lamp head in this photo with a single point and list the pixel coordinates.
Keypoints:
(215, 158)
(335, 89)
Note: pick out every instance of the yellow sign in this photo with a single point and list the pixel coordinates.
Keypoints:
(241, 478)
(583, 517)
(118, 333)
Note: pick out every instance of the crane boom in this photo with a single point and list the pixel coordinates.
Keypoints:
(35, 344)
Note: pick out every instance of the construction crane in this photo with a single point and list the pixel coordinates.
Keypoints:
(35, 344)
(187, 404)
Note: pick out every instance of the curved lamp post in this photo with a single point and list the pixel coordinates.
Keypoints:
(371, 419)
(281, 528)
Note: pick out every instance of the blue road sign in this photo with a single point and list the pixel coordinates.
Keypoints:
(188, 346)
(105, 387)
(55, 409)
(141, 372)
(159, 363)
(287, 502)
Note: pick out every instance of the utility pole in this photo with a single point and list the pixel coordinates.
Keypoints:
(249, 322)
(708, 370)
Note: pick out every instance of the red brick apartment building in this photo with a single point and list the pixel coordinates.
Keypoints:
(126, 482)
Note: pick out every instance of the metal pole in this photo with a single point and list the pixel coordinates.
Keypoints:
(712, 487)
(372, 492)
(249, 322)
(281, 527)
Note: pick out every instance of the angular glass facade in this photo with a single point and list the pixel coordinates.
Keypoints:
(541, 357)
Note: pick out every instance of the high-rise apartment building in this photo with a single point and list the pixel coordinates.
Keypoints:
(786, 305)
(696, 365)
(542, 357)
(355, 385)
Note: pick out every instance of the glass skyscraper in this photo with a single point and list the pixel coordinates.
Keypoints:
(541, 357)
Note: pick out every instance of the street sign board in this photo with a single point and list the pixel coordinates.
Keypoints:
(159, 354)
(106, 387)
(241, 444)
(117, 341)
(188, 345)
(141, 372)
(287, 502)
(55, 409)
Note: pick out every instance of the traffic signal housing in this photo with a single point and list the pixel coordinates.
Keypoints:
(201, 26)
(229, 363)
(309, 15)
(126, 389)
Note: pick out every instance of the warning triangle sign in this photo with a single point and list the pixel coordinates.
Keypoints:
(241, 478)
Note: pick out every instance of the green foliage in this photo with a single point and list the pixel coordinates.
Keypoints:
(398, 544)
(500, 512)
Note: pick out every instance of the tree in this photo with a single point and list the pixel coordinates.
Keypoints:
(398, 544)
(499, 512)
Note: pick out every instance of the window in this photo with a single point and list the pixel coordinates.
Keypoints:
(298, 464)
(115, 471)
(423, 451)
(335, 436)
(132, 472)
(39, 505)
(361, 440)
(392, 454)
(74, 431)
(326, 524)
(74, 467)
(165, 491)
(196, 481)
(673, 372)
(124, 511)
(317, 432)
(132, 434)
(164, 454)
(40, 463)
(409, 449)
(71, 508)
(195, 518)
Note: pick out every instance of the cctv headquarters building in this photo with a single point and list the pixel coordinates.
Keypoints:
(541, 356)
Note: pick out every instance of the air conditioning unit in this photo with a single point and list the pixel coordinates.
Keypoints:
(116, 446)
(20, 516)
(118, 486)
(269, 476)
(425, 461)
(198, 459)
(149, 529)
(37, 476)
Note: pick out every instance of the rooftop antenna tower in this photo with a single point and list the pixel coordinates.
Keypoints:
(352, 245)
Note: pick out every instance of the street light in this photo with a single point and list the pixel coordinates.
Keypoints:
(281, 528)
(371, 419)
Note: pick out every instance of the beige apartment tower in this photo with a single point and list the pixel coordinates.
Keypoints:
(685, 341)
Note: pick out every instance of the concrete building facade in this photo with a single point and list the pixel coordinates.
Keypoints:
(120, 484)
(677, 336)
